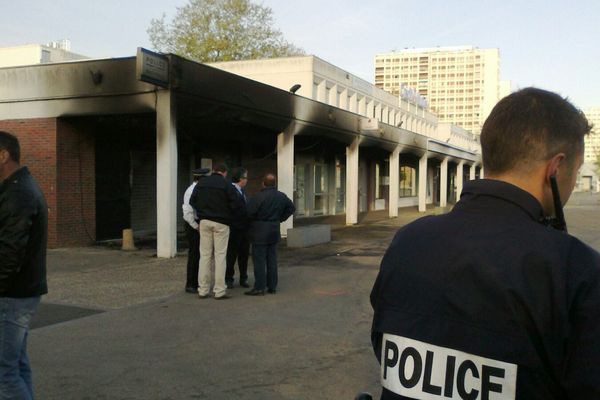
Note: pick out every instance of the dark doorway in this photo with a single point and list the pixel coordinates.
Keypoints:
(113, 193)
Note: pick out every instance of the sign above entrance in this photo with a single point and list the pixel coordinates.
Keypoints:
(152, 67)
(368, 124)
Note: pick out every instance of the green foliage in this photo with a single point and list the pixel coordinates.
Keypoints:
(220, 30)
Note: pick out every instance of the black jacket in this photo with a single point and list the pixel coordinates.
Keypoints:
(23, 236)
(215, 199)
(484, 292)
(266, 211)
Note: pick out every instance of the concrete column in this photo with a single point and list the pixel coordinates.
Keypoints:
(362, 106)
(394, 181)
(352, 182)
(285, 172)
(444, 183)
(322, 91)
(353, 106)
(423, 183)
(385, 118)
(166, 175)
(481, 174)
(459, 179)
(333, 96)
(472, 172)
(371, 108)
(344, 100)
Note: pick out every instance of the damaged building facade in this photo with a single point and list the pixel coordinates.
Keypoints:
(112, 142)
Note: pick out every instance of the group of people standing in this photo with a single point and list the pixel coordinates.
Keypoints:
(221, 223)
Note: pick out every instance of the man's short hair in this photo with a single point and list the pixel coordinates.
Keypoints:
(238, 173)
(221, 167)
(269, 180)
(10, 143)
(531, 125)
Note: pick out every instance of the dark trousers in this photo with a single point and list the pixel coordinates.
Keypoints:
(264, 258)
(193, 261)
(237, 249)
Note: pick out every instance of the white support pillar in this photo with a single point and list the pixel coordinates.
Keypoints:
(459, 179)
(472, 172)
(333, 96)
(444, 183)
(322, 91)
(285, 172)
(371, 108)
(352, 182)
(353, 105)
(481, 174)
(166, 175)
(423, 183)
(394, 181)
(362, 106)
(343, 103)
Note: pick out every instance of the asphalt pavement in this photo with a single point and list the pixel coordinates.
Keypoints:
(118, 325)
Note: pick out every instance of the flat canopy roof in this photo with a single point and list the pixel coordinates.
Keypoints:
(110, 86)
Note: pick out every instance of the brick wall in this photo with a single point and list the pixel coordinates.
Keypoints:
(37, 138)
(53, 149)
(76, 194)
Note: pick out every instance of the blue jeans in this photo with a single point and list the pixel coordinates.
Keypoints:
(15, 373)
(264, 257)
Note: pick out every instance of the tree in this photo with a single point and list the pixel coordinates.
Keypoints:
(220, 30)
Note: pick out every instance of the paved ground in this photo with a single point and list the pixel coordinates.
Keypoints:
(117, 325)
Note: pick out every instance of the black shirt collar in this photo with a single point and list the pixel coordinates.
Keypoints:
(504, 191)
(15, 176)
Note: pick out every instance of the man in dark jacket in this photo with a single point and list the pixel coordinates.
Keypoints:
(216, 202)
(23, 237)
(238, 247)
(266, 211)
(488, 301)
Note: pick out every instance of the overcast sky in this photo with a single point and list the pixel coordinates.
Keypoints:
(546, 43)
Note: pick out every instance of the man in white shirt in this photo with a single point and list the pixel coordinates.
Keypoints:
(192, 233)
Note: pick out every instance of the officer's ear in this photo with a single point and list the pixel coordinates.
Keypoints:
(553, 165)
(4, 156)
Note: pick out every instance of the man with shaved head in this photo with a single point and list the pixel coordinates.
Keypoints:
(267, 210)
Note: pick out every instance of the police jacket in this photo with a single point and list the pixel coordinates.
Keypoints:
(266, 211)
(23, 236)
(215, 199)
(487, 302)
(240, 219)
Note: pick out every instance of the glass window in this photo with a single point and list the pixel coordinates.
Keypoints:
(320, 189)
(407, 181)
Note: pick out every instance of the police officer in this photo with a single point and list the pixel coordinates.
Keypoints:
(488, 301)
(191, 232)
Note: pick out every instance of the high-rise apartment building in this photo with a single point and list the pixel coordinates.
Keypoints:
(592, 141)
(461, 84)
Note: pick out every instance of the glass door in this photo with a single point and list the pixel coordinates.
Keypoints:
(320, 189)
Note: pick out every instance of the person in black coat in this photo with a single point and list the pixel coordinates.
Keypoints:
(238, 247)
(23, 238)
(216, 202)
(266, 211)
(490, 300)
